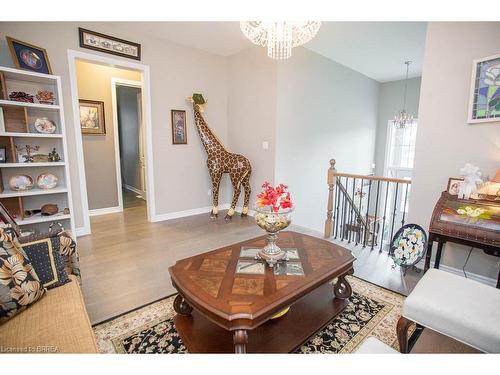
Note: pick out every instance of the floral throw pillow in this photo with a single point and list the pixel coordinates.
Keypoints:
(408, 245)
(19, 284)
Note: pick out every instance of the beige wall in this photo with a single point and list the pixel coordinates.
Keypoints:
(325, 110)
(176, 72)
(445, 142)
(94, 83)
(251, 101)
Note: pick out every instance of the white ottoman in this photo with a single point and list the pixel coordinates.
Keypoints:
(373, 345)
(463, 309)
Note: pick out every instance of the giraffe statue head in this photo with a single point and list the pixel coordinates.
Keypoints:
(198, 100)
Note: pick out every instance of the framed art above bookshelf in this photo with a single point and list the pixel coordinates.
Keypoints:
(32, 133)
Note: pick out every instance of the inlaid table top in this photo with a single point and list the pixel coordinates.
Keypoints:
(235, 291)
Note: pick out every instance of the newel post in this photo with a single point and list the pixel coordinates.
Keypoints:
(329, 210)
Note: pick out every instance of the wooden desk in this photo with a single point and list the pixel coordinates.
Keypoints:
(474, 223)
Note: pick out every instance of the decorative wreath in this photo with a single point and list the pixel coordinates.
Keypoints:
(408, 245)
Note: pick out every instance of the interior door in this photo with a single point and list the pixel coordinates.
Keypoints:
(141, 160)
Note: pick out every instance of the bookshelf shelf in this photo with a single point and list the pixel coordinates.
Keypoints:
(16, 131)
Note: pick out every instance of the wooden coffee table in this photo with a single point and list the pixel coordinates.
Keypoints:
(227, 299)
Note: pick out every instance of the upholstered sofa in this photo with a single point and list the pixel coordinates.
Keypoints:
(58, 322)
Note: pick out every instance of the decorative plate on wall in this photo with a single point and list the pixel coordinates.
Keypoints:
(408, 245)
(21, 182)
(47, 181)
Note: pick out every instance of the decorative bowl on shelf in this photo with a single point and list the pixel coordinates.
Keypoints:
(21, 182)
(45, 97)
(46, 181)
(45, 126)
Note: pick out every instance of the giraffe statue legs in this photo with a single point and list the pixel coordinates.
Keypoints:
(216, 177)
(236, 194)
(248, 191)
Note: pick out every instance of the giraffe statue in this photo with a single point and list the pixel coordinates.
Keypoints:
(220, 161)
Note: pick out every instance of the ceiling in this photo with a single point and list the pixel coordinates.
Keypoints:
(375, 49)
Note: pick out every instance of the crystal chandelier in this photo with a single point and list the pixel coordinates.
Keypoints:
(403, 119)
(279, 37)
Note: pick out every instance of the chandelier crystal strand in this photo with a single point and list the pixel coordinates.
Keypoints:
(279, 37)
(403, 119)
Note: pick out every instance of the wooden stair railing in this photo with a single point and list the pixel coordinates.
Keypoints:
(369, 223)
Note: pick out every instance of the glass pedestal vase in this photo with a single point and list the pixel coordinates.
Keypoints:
(272, 223)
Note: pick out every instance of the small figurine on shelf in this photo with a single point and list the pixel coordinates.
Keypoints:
(29, 149)
(54, 156)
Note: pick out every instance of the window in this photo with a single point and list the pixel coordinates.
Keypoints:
(400, 155)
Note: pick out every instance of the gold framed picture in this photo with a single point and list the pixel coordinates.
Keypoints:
(179, 132)
(29, 57)
(92, 117)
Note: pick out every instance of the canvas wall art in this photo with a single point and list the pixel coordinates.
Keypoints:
(92, 117)
(485, 90)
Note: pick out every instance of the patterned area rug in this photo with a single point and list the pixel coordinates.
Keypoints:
(372, 311)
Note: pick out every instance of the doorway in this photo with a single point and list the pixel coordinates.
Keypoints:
(127, 114)
(88, 165)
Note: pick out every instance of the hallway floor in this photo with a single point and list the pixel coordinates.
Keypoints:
(125, 260)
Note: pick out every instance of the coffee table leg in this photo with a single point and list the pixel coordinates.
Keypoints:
(342, 288)
(240, 339)
(181, 307)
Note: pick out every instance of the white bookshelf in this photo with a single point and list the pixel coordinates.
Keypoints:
(33, 199)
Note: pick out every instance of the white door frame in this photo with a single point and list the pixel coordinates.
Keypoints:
(146, 111)
(115, 82)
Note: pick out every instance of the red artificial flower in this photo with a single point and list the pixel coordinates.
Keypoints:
(274, 197)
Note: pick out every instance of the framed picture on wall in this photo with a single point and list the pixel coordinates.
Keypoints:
(109, 44)
(179, 132)
(484, 103)
(29, 57)
(92, 117)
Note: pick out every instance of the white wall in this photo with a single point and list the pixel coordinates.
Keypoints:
(391, 96)
(128, 129)
(324, 110)
(251, 106)
(445, 142)
(176, 72)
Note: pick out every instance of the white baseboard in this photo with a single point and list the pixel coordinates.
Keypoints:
(473, 276)
(132, 189)
(106, 210)
(194, 211)
(82, 231)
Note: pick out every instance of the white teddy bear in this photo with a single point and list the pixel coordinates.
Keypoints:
(472, 177)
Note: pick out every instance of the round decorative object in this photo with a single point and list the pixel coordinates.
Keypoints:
(408, 245)
(46, 181)
(45, 126)
(21, 182)
(49, 209)
(272, 222)
(281, 313)
(31, 59)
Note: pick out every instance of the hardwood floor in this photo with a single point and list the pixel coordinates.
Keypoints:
(124, 262)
